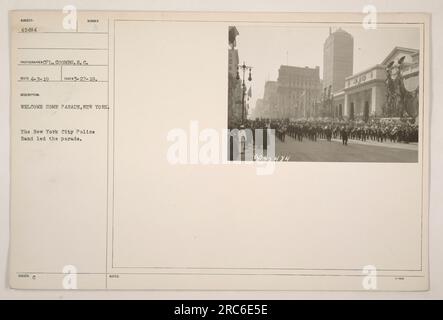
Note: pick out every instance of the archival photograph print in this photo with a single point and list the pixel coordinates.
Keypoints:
(338, 93)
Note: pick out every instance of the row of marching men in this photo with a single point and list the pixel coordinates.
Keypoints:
(313, 130)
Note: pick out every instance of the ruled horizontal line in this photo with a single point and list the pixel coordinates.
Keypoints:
(65, 32)
(225, 274)
(61, 81)
(62, 65)
(62, 48)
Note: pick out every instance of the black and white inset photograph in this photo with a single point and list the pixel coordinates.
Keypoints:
(320, 93)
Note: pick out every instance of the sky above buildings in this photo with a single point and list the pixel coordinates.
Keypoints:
(266, 48)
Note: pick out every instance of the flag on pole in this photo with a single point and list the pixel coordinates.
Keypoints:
(250, 92)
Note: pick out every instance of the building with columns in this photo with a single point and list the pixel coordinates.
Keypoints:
(364, 94)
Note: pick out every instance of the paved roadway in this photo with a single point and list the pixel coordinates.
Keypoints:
(355, 151)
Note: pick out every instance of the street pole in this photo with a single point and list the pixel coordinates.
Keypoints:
(244, 67)
(243, 89)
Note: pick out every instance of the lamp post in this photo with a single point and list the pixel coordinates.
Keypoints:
(243, 67)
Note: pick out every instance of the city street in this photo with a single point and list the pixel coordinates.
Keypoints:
(355, 151)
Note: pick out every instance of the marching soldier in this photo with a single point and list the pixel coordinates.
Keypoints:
(344, 135)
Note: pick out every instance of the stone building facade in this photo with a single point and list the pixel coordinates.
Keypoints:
(364, 95)
(298, 89)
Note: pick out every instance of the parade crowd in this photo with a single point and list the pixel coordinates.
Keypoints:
(375, 130)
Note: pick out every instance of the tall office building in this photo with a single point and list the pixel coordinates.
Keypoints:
(338, 59)
(298, 89)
